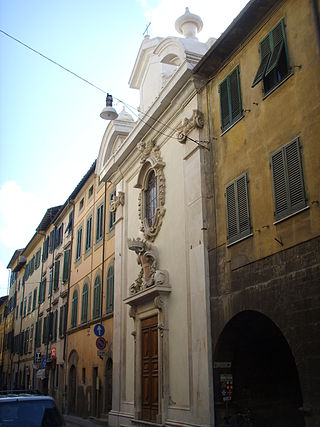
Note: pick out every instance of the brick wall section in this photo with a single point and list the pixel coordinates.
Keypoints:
(286, 288)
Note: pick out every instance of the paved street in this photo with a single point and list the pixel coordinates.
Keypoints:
(72, 421)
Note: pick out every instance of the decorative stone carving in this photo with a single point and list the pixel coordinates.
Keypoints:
(187, 125)
(132, 312)
(159, 302)
(117, 201)
(151, 160)
(149, 275)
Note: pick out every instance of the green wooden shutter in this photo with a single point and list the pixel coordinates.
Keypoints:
(295, 176)
(231, 211)
(235, 95)
(66, 265)
(238, 213)
(243, 205)
(56, 274)
(288, 183)
(280, 190)
(265, 52)
(277, 40)
(224, 103)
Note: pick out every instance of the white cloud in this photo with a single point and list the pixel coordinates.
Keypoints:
(3, 279)
(216, 16)
(20, 214)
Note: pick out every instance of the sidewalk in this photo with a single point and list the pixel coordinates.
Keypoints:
(84, 422)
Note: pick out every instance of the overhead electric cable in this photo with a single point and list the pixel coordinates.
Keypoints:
(103, 91)
(51, 60)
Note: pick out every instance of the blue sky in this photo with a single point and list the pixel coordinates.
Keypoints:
(50, 129)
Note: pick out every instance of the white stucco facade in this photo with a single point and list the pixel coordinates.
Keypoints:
(161, 268)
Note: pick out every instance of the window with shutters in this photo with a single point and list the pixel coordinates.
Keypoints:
(274, 63)
(74, 309)
(79, 244)
(96, 298)
(230, 99)
(112, 214)
(110, 286)
(288, 184)
(89, 233)
(56, 275)
(84, 304)
(66, 265)
(238, 212)
(100, 217)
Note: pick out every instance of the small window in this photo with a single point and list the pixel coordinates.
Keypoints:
(81, 204)
(288, 182)
(151, 199)
(238, 214)
(66, 265)
(56, 275)
(74, 309)
(96, 298)
(110, 287)
(274, 64)
(112, 214)
(89, 233)
(79, 244)
(230, 99)
(90, 192)
(84, 304)
(99, 230)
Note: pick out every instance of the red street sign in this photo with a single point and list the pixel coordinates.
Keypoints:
(101, 343)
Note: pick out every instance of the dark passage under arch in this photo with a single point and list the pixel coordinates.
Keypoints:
(264, 374)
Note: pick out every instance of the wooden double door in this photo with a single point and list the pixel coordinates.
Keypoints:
(150, 394)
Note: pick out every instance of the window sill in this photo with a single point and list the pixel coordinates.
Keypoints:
(233, 124)
(239, 240)
(276, 87)
(290, 215)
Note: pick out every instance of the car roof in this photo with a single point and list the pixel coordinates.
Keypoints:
(24, 397)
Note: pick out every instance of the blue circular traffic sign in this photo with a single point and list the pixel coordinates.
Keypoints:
(98, 330)
(101, 343)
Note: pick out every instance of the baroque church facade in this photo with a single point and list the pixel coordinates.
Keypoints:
(161, 341)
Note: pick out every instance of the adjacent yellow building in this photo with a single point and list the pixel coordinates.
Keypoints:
(261, 98)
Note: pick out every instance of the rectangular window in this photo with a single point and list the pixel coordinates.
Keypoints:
(79, 244)
(51, 241)
(50, 282)
(55, 325)
(29, 302)
(56, 274)
(89, 233)
(288, 182)
(61, 322)
(66, 265)
(38, 257)
(25, 307)
(112, 213)
(99, 231)
(90, 192)
(45, 249)
(230, 99)
(274, 63)
(34, 299)
(238, 213)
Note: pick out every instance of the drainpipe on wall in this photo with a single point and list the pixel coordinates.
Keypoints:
(103, 244)
(22, 315)
(38, 311)
(65, 348)
(315, 13)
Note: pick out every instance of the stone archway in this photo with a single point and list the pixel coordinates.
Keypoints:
(72, 382)
(108, 385)
(72, 386)
(253, 354)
